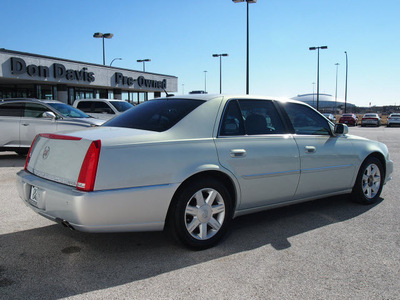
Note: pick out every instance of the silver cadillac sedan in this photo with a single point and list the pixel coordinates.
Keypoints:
(190, 164)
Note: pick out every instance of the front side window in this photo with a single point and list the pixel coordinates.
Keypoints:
(34, 110)
(306, 121)
(251, 117)
(68, 111)
(155, 115)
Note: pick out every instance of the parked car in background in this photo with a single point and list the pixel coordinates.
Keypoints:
(102, 108)
(330, 117)
(393, 119)
(191, 163)
(371, 119)
(349, 119)
(22, 119)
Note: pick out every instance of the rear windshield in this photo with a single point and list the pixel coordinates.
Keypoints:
(155, 115)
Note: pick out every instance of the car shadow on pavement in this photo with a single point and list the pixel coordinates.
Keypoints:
(55, 262)
(11, 159)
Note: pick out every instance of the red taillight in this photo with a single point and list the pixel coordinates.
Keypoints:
(28, 157)
(87, 175)
(60, 137)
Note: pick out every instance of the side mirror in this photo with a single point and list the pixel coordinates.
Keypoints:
(49, 115)
(341, 129)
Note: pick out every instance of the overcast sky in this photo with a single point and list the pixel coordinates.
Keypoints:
(180, 36)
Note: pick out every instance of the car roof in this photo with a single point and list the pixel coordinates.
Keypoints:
(110, 100)
(208, 97)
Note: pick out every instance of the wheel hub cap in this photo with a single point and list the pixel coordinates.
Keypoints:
(204, 214)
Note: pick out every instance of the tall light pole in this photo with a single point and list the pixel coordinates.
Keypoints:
(118, 58)
(103, 36)
(317, 48)
(143, 61)
(247, 44)
(337, 65)
(205, 81)
(345, 89)
(220, 69)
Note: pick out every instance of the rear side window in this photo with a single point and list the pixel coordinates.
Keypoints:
(11, 109)
(306, 121)
(155, 115)
(102, 108)
(85, 106)
(251, 117)
(121, 106)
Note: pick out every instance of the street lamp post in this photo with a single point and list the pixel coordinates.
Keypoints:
(205, 81)
(103, 36)
(220, 69)
(143, 61)
(345, 89)
(337, 65)
(247, 44)
(317, 48)
(118, 58)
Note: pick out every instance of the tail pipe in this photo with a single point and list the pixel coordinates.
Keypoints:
(65, 223)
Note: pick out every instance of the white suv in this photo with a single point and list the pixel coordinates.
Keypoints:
(102, 108)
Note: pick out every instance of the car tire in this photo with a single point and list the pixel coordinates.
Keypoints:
(369, 183)
(200, 213)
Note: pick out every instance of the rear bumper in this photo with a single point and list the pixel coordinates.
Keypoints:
(119, 210)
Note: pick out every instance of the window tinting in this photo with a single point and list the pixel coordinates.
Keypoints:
(232, 121)
(155, 115)
(34, 110)
(121, 106)
(251, 117)
(102, 108)
(68, 111)
(11, 109)
(306, 121)
(85, 106)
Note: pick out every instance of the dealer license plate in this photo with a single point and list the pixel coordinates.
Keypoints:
(36, 197)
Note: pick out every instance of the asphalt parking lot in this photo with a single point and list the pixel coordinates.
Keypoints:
(326, 249)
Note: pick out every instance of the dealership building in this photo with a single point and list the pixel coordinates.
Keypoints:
(27, 75)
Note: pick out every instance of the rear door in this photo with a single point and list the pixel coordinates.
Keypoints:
(10, 117)
(253, 144)
(33, 123)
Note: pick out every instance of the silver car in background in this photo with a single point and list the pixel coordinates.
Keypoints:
(102, 108)
(393, 119)
(22, 119)
(191, 163)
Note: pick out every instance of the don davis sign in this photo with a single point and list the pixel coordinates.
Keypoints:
(141, 81)
(59, 71)
(56, 71)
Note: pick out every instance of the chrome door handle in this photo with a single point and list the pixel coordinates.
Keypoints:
(25, 124)
(238, 153)
(310, 149)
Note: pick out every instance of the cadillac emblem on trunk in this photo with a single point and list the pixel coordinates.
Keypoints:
(46, 152)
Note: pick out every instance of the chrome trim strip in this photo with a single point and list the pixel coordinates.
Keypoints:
(321, 169)
(255, 176)
(292, 172)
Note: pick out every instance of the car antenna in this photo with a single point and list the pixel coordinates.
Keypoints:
(168, 95)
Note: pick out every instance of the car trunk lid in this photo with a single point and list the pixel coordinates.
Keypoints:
(58, 158)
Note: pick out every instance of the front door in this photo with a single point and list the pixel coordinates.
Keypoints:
(253, 145)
